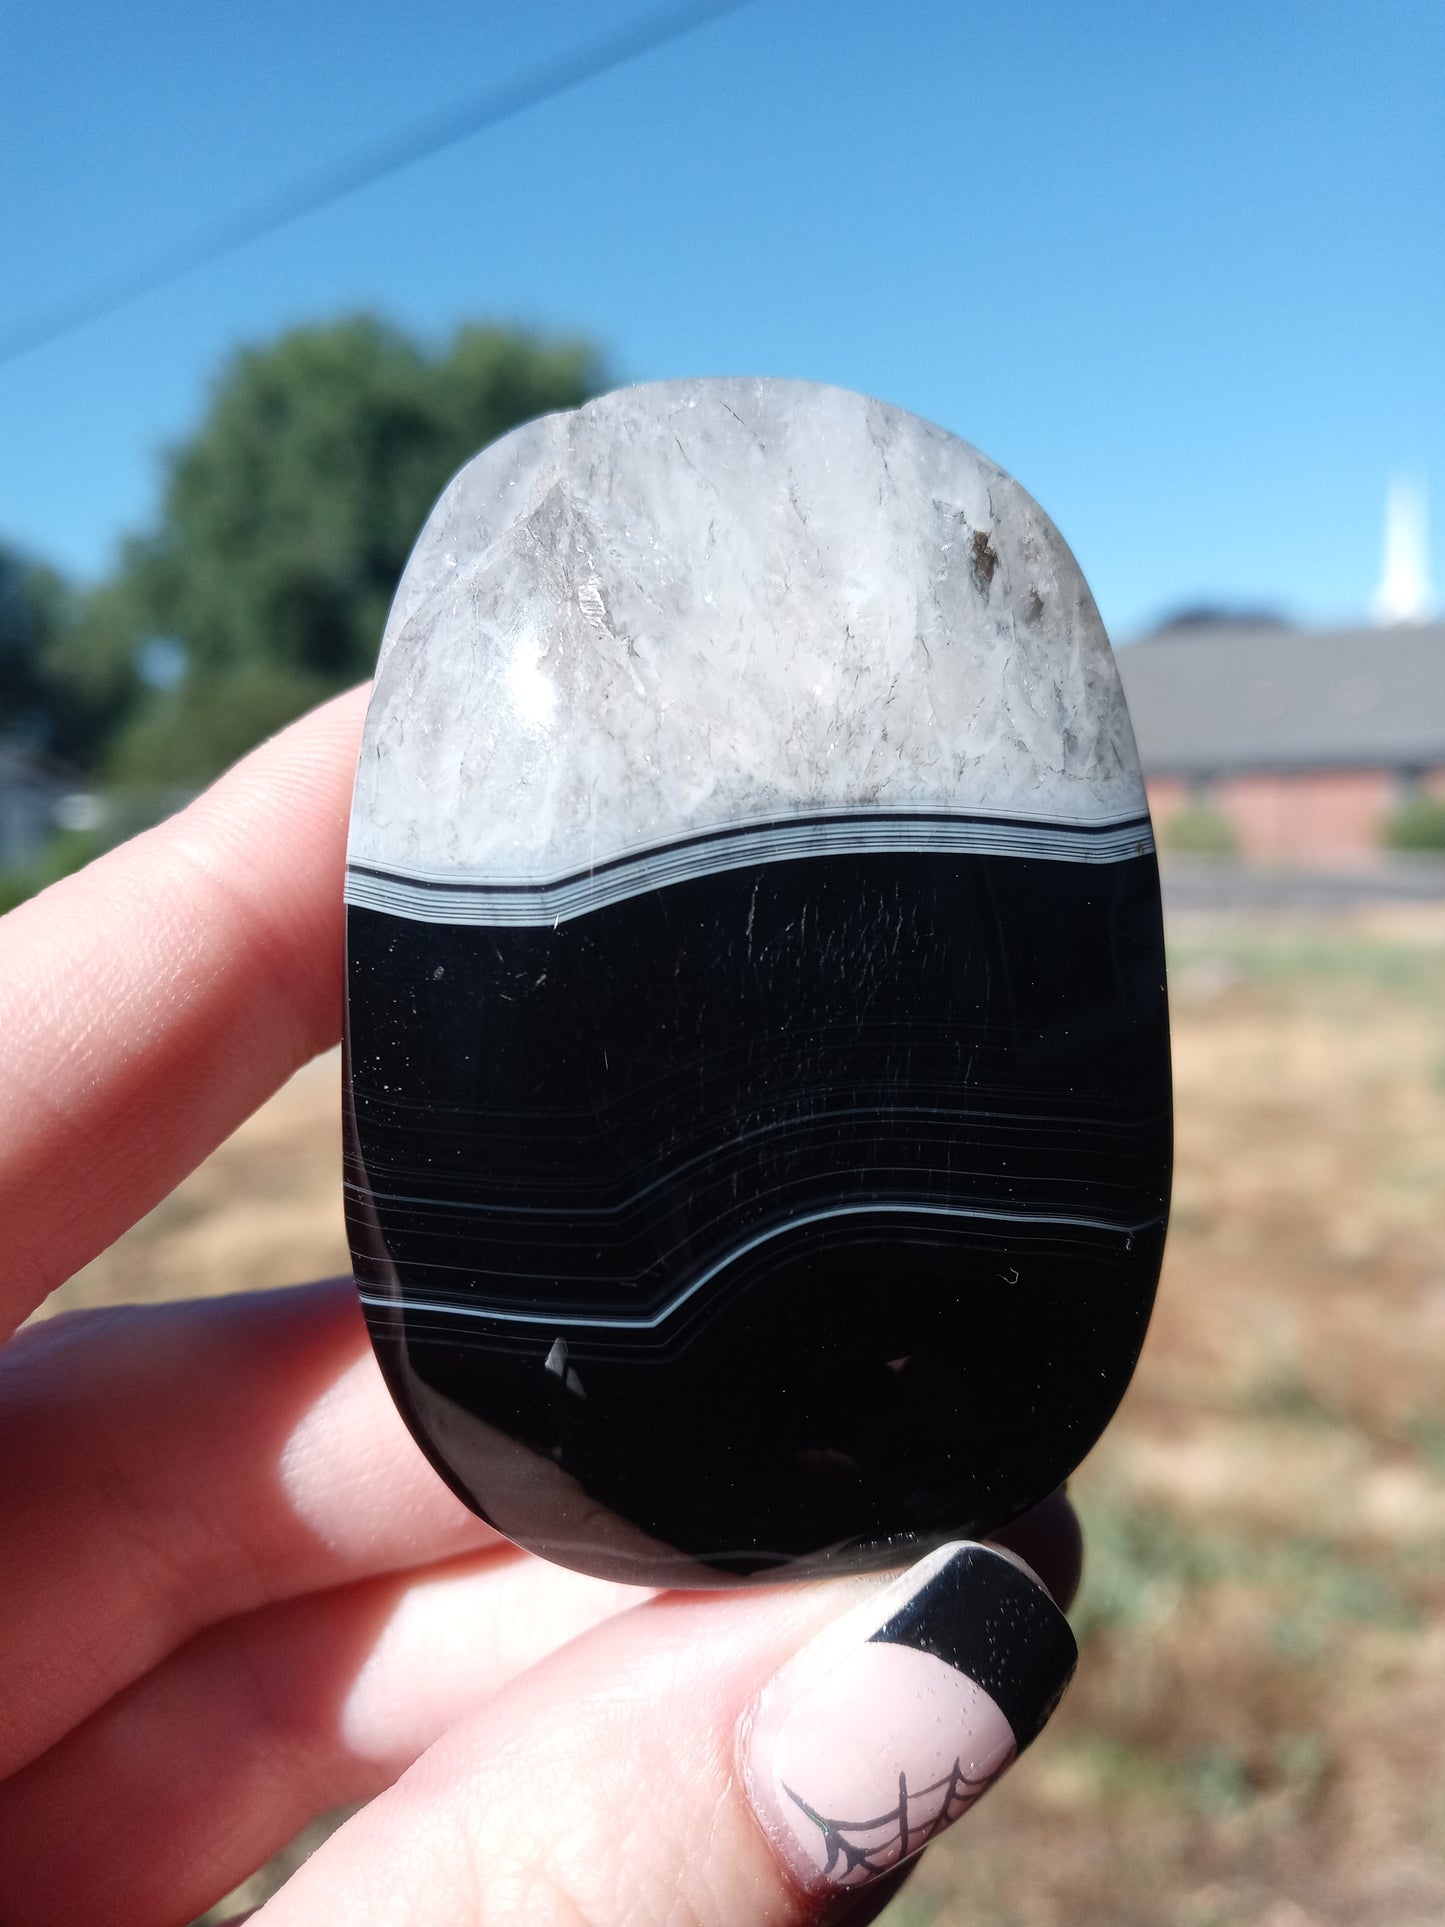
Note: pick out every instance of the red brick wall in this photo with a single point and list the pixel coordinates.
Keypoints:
(1166, 795)
(1324, 817)
(1306, 819)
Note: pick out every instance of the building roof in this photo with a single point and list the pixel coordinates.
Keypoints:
(1209, 698)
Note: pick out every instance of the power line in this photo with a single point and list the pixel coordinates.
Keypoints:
(361, 169)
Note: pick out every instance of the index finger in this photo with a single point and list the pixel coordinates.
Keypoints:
(149, 1003)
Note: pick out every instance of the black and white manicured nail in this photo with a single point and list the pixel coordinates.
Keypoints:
(889, 1726)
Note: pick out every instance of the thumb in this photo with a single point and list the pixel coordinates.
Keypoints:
(719, 1759)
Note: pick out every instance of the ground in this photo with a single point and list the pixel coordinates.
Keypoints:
(1257, 1730)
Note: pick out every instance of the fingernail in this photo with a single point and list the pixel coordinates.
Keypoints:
(891, 1724)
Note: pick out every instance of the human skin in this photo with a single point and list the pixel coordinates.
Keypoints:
(234, 1592)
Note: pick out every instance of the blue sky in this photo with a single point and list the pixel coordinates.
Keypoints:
(1180, 269)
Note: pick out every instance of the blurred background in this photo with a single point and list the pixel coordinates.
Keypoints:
(274, 273)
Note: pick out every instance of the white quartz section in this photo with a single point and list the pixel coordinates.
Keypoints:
(701, 603)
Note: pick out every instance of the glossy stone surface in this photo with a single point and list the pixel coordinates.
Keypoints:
(758, 1087)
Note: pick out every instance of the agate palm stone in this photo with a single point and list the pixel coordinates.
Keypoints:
(758, 1084)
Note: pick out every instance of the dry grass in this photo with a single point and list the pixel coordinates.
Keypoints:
(265, 1210)
(1257, 1732)
(1255, 1735)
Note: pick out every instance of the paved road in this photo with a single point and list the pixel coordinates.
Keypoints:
(1222, 885)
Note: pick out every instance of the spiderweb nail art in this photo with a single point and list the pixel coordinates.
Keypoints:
(859, 1849)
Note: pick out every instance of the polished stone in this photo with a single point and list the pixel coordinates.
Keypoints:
(758, 1096)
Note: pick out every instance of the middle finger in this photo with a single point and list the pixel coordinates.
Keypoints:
(167, 1466)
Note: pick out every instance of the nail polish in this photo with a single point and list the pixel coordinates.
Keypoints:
(758, 1118)
(900, 1718)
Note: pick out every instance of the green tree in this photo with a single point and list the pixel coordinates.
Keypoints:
(286, 522)
(37, 705)
(91, 657)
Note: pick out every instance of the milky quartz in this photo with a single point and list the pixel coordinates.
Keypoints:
(758, 1118)
(696, 603)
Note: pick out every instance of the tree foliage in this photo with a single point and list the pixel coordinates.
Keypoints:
(287, 518)
(37, 705)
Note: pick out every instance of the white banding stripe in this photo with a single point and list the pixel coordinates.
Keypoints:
(650, 1321)
(438, 897)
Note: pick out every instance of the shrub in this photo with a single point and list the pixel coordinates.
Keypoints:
(1198, 830)
(1417, 825)
(64, 852)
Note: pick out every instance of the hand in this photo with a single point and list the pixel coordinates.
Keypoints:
(234, 1594)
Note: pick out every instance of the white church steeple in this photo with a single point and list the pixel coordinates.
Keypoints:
(1404, 594)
